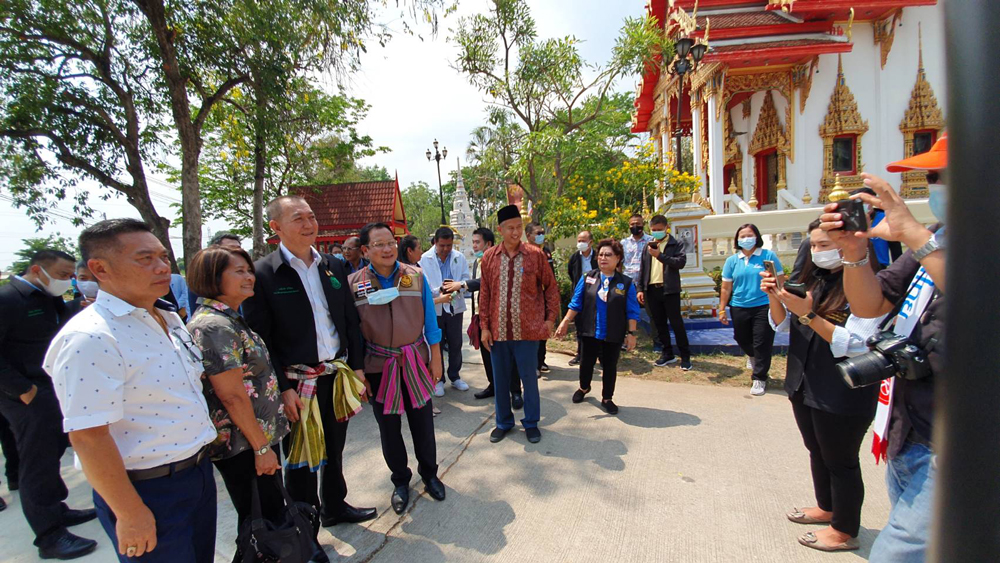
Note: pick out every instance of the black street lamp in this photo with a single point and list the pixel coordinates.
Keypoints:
(688, 56)
(437, 157)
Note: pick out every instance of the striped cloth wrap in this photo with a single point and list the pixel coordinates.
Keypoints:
(308, 447)
(403, 368)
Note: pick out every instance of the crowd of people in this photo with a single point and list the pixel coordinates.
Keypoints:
(255, 368)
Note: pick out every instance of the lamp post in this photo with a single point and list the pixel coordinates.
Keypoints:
(437, 157)
(688, 56)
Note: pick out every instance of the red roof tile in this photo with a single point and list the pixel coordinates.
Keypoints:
(745, 19)
(340, 206)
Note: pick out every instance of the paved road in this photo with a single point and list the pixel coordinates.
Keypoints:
(685, 473)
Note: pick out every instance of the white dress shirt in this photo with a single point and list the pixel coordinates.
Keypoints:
(113, 365)
(327, 339)
(430, 264)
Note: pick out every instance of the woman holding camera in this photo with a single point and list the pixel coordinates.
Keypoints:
(832, 417)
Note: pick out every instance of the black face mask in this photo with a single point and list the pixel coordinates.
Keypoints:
(636, 231)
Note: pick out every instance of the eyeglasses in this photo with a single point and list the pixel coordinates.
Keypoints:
(382, 245)
(184, 338)
(936, 177)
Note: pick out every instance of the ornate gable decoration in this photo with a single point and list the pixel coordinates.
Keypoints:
(769, 132)
(922, 114)
(842, 117)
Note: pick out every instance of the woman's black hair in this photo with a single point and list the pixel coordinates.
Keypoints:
(756, 232)
(405, 244)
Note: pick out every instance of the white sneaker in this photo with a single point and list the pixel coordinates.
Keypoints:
(459, 384)
(749, 362)
(439, 389)
(758, 388)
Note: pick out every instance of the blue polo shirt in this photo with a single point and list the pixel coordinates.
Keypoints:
(432, 332)
(744, 272)
(601, 318)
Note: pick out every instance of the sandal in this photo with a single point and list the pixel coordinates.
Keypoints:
(579, 395)
(809, 539)
(799, 517)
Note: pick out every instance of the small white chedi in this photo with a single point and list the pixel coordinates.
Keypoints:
(461, 218)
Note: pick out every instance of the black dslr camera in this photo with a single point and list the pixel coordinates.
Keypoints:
(890, 354)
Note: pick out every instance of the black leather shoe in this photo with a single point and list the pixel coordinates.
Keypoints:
(12, 485)
(610, 406)
(3, 505)
(485, 393)
(435, 488)
(64, 545)
(579, 395)
(516, 402)
(575, 361)
(349, 515)
(76, 517)
(498, 434)
(534, 435)
(400, 498)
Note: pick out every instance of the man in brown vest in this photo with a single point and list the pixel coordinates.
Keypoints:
(402, 339)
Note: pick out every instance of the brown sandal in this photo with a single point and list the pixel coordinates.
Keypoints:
(799, 517)
(809, 539)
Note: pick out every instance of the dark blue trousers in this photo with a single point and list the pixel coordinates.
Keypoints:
(184, 506)
(522, 355)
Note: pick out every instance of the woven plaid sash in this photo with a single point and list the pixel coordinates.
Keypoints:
(403, 368)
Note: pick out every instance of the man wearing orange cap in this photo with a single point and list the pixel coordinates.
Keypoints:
(909, 295)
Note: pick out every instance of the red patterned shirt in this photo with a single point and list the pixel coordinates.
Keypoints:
(518, 293)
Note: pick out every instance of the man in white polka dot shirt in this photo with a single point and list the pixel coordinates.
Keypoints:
(128, 378)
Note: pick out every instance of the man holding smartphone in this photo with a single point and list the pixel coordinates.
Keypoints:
(447, 273)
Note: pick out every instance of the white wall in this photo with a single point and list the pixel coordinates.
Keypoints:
(882, 96)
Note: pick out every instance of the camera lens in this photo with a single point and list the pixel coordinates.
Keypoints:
(866, 369)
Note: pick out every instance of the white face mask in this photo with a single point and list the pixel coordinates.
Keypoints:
(55, 287)
(747, 243)
(87, 288)
(582, 246)
(938, 201)
(827, 259)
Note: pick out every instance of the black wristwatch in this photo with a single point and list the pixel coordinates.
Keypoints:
(630, 333)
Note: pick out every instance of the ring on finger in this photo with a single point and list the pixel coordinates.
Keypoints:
(131, 550)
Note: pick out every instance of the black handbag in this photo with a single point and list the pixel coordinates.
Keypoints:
(291, 539)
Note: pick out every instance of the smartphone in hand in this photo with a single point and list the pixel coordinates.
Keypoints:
(852, 213)
(769, 266)
(797, 289)
(442, 285)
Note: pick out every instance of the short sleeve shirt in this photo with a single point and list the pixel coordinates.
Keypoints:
(633, 254)
(113, 365)
(226, 343)
(744, 272)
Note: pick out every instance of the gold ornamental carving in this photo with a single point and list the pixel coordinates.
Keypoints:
(770, 134)
(923, 114)
(802, 78)
(746, 108)
(884, 31)
(733, 155)
(842, 118)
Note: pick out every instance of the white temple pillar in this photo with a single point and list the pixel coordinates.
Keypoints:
(716, 158)
(696, 142)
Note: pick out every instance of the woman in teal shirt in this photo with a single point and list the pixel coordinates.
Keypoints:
(741, 291)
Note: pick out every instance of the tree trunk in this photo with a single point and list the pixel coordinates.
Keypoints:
(258, 196)
(559, 173)
(533, 190)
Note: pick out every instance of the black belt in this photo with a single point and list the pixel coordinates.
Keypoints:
(167, 469)
(655, 285)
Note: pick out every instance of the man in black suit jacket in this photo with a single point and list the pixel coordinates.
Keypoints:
(659, 286)
(581, 262)
(295, 285)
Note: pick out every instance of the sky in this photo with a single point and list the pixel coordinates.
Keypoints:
(415, 97)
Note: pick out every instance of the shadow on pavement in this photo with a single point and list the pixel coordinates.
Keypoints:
(645, 417)
(425, 521)
(368, 544)
(606, 454)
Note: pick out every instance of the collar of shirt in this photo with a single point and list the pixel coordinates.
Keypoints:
(35, 287)
(745, 258)
(296, 261)
(119, 307)
(385, 282)
(218, 306)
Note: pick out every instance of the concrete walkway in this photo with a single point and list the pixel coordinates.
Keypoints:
(684, 474)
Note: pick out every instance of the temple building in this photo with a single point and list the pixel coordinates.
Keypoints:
(792, 94)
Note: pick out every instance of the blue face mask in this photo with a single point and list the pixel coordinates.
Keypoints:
(478, 254)
(658, 235)
(383, 296)
(339, 256)
(938, 201)
(747, 243)
(539, 239)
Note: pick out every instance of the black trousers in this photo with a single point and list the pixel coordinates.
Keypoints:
(390, 429)
(515, 379)
(608, 352)
(834, 441)
(541, 353)
(238, 474)
(755, 336)
(9, 446)
(664, 309)
(41, 443)
(301, 483)
(452, 335)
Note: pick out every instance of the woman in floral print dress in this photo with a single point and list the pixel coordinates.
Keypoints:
(241, 387)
